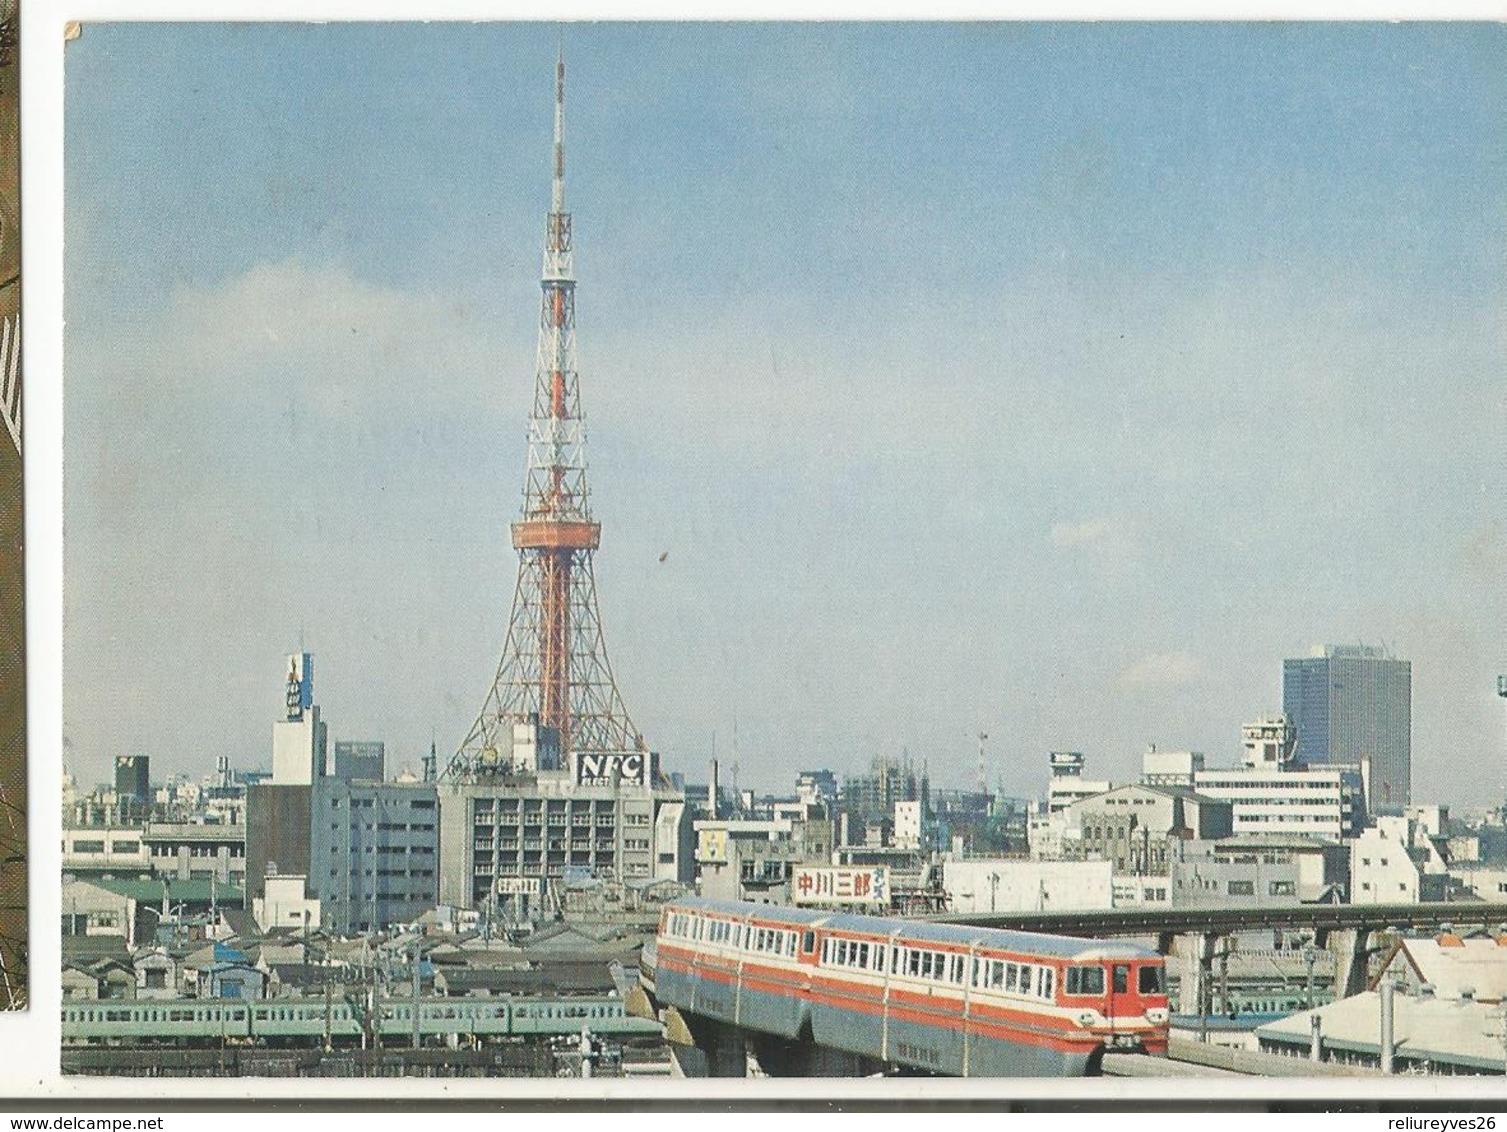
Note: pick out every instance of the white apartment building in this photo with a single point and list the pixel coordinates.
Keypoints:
(908, 825)
(1395, 862)
(1067, 784)
(1327, 802)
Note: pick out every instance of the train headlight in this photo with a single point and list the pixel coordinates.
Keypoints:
(1156, 1016)
(1086, 1017)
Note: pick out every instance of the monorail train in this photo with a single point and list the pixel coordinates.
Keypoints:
(306, 1020)
(953, 1000)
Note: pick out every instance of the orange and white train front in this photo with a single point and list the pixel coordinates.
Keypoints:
(1121, 999)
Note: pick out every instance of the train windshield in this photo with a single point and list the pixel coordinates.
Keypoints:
(1150, 981)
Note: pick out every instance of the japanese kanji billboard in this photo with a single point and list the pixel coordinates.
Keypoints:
(869, 885)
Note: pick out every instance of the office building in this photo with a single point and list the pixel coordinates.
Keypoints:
(133, 780)
(608, 815)
(1352, 705)
(279, 811)
(1326, 802)
(365, 760)
(374, 853)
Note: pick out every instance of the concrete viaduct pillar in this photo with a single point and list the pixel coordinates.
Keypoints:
(1194, 952)
(1351, 948)
(700, 1047)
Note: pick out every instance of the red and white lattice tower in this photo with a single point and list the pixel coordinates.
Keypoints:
(554, 669)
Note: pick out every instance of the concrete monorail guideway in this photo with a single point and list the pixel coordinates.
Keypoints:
(1100, 923)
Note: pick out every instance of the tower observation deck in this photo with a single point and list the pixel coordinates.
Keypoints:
(554, 671)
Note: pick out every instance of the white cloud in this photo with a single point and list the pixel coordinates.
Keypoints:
(1076, 534)
(1163, 669)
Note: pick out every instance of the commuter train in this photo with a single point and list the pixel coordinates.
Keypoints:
(945, 998)
(305, 1021)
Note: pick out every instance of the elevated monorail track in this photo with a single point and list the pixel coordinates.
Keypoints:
(1195, 1059)
(1222, 921)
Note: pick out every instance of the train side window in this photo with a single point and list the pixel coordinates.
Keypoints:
(1049, 983)
(863, 955)
(955, 973)
(1012, 976)
(810, 941)
(1122, 978)
(879, 951)
(1150, 980)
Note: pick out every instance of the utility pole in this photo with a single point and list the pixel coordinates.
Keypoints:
(416, 1037)
(1502, 692)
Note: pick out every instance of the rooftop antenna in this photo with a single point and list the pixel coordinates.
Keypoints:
(737, 798)
(983, 779)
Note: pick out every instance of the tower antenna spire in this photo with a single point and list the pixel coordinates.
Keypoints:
(557, 197)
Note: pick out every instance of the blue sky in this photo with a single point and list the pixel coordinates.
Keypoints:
(1050, 380)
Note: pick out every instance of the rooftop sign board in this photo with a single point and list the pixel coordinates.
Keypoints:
(867, 885)
(608, 768)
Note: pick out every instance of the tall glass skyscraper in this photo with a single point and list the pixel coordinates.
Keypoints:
(1354, 703)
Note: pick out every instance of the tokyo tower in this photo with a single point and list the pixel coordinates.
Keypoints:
(554, 669)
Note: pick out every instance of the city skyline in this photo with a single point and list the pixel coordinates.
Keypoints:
(1053, 381)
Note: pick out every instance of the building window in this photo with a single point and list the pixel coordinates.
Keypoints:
(1242, 888)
